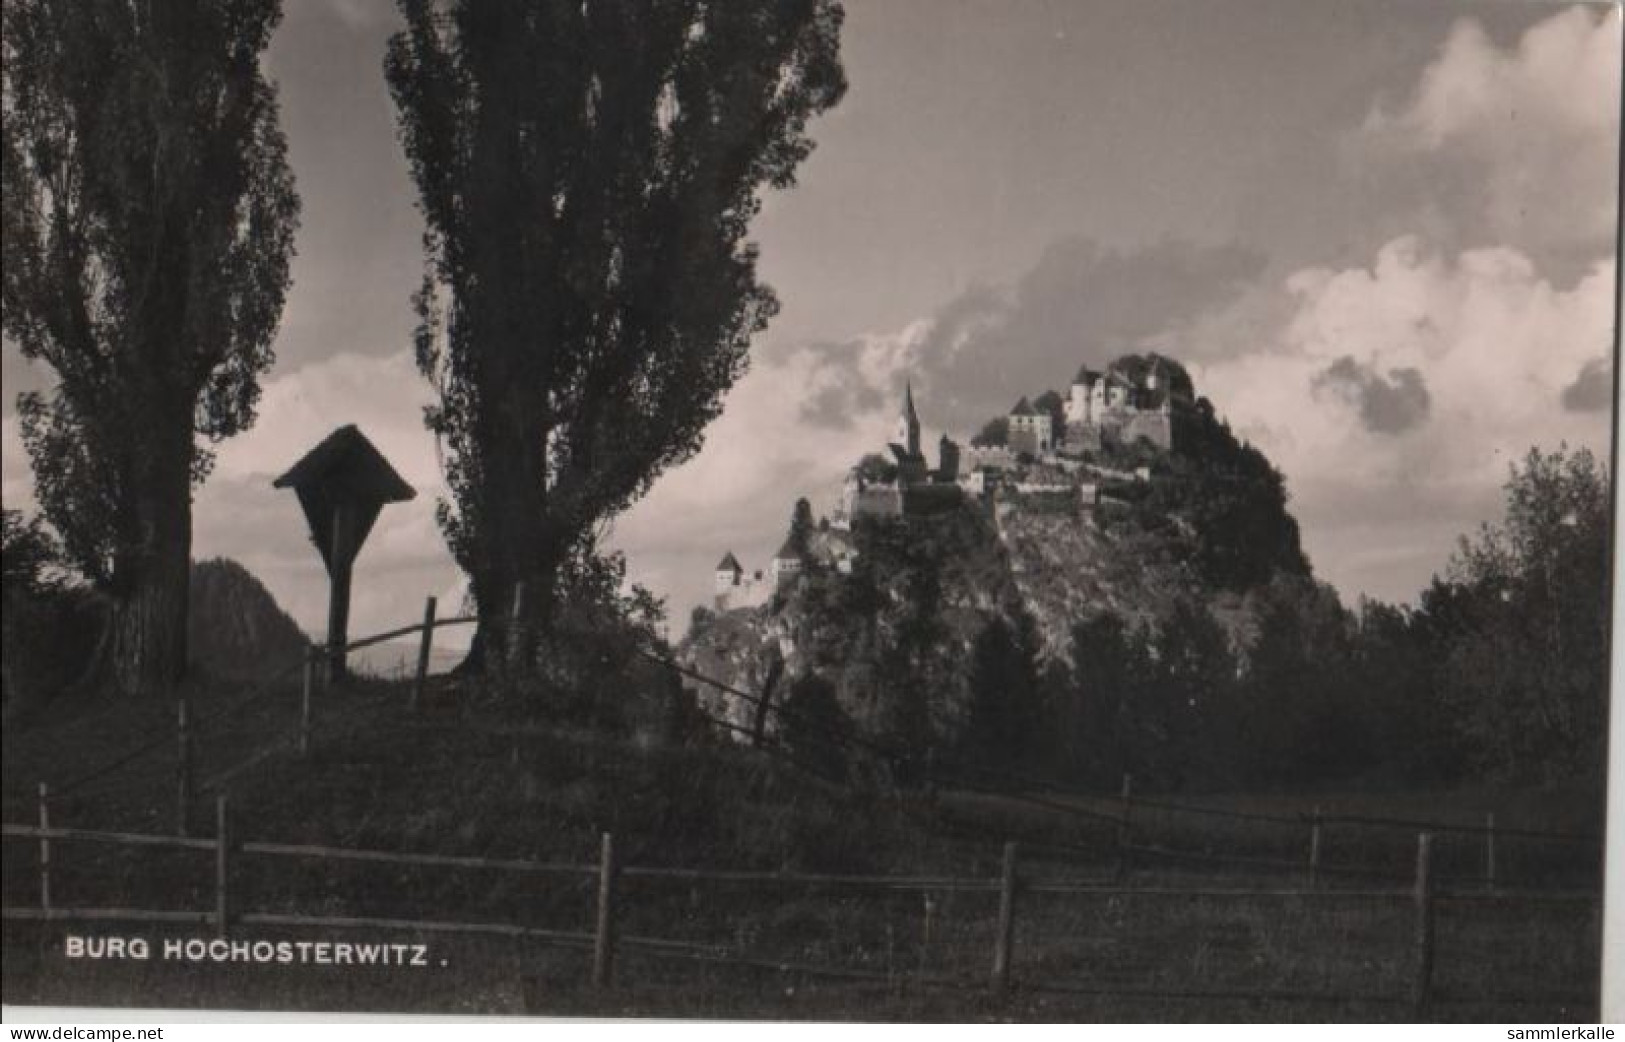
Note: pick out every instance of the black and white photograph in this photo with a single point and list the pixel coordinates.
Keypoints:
(910, 511)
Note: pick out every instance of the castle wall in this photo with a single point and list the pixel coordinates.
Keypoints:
(932, 499)
(1155, 427)
(1082, 437)
(876, 501)
(750, 592)
(978, 456)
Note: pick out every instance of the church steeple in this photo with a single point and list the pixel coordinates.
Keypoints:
(908, 423)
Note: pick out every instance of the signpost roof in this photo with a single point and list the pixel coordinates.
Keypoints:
(346, 466)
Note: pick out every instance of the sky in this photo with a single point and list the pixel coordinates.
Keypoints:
(1380, 234)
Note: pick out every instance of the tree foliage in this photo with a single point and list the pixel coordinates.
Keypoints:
(588, 173)
(1235, 500)
(801, 529)
(149, 214)
(1051, 404)
(816, 729)
(1155, 702)
(1520, 622)
(1294, 690)
(1002, 728)
(30, 555)
(995, 433)
(877, 468)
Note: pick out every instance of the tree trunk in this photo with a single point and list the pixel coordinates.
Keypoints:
(516, 587)
(149, 623)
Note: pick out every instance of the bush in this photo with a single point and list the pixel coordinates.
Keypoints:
(816, 729)
(50, 629)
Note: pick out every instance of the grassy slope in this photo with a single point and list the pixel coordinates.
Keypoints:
(452, 784)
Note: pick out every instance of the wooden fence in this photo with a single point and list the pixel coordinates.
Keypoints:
(604, 941)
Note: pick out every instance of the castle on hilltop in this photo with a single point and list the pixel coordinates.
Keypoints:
(1132, 399)
(1053, 449)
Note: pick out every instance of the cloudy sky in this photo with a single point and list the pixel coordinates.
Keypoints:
(1379, 232)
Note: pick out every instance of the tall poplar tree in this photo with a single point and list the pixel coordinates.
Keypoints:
(149, 214)
(588, 171)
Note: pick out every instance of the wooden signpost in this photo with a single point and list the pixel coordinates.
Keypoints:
(342, 484)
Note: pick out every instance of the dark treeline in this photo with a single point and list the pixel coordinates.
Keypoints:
(1499, 671)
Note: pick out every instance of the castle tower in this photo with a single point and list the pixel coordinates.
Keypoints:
(729, 573)
(1031, 430)
(948, 459)
(908, 423)
(786, 563)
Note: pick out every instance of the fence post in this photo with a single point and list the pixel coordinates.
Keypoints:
(1004, 935)
(1423, 897)
(424, 646)
(183, 769)
(925, 939)
(1489, 849)
(1125, 829)
(1314, 850)
(306, 708)
(44, 847)
(603, 949)
(222, 858)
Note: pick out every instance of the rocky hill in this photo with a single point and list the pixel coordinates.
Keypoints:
(235, 627)
(890, 610)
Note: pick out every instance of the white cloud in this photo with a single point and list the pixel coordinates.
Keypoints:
(1394, 395)
(1513, 146)
(383, 395)
(18, 490)
(361, 14)
(1494, 343)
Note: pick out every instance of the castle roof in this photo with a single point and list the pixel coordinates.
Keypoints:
(1023, 408)
(787, 552)
(908, 404)
(1086, 376)
(729, 563)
